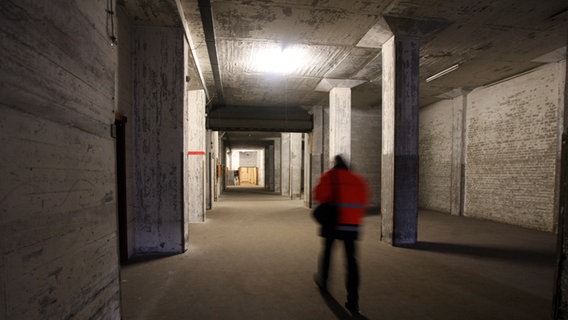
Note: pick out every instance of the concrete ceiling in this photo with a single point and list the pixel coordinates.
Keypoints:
(490, 40)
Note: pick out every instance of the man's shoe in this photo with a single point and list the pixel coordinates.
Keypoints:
(353, 308)
(321, 285)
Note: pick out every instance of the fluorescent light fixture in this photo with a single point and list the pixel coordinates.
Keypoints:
(277, 60)
(442, 73)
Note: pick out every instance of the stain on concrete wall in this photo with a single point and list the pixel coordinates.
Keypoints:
(158, 143)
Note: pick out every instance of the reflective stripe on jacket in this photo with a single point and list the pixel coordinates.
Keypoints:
(351, 196)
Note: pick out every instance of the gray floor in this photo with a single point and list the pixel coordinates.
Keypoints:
(255, 256)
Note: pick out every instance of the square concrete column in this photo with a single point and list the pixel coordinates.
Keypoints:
(340, 123)
(296, 165)
(278, 165)
(195, 158)
(399, 179)
(269, 164)
(285, 164)
(158, 101)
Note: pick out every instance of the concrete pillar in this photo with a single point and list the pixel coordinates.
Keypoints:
(399, 179)
(269, 164)
(196, 157)
(278, 165)
(340, 123)
(317, 147)
(261, 167)
(285, 165)
(307, 170)
(158, 71)
(561, 288)
(211, 155)
(296, 165)
(317, 144)
(459, 108)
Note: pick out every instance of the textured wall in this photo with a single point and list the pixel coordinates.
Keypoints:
(435, 156)
(158, 145)
(340, 123)
(512, 149)
(248, 159)
(58, 246)
(387, 139)
(278, 165)
(296, 165)
(366, 149)
(194, 191)
(285, 164)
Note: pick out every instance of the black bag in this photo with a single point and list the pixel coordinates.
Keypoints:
(325, 214)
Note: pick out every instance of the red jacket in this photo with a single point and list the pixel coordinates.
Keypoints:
(352, 196)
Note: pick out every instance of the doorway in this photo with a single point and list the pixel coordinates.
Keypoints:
(120, 136)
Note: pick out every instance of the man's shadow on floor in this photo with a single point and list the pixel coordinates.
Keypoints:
(337, 309)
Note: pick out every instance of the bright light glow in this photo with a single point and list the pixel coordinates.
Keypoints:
(278, 60)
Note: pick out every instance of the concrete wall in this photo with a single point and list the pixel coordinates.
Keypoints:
(278, 165)
(158, 142)
(269, 165)
(248, 159)
(340, 123)
(511, 150)
(285, 164)
(58, 245)
(196, 154)
(366, 149)
(296, 172)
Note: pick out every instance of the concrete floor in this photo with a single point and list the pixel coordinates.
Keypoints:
(255, 256)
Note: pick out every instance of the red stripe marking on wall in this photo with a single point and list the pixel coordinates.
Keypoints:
(196, 153)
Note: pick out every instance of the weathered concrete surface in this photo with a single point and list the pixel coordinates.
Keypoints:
(158, 144)
(340, 123)
(561, 276)
(195, 182)
(317, 146)
(269, 165)
(459, 112)
(296, 165)
(58, 245)
(285, 165)
(399, 183)
(307, 176)
(278, 165)
(387, 144)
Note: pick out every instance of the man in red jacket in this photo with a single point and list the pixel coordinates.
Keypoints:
(349, 192)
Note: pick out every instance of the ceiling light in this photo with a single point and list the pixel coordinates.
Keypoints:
(442, 73)
(279, 60)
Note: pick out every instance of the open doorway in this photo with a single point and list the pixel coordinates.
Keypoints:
(246, 167)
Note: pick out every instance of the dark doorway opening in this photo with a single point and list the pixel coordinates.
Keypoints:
(120, 124)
